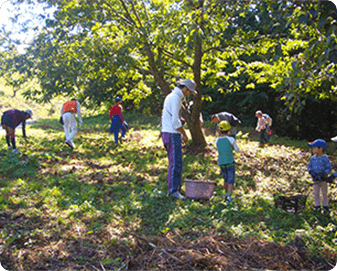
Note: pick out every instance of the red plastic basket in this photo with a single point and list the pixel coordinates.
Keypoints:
(197, 189)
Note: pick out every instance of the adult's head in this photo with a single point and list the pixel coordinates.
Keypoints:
(188, 87)
(258, 113)
(29, 114)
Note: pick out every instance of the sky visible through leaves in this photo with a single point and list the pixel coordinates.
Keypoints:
(27, 12)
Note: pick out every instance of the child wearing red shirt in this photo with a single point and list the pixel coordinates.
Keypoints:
(117, 119)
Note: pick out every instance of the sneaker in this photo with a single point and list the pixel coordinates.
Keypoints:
(229, 198)
(317, 208)
(69, 144)
(72, 144)
(16, 151)
(9, 147)
(326, 209)
(178, 195)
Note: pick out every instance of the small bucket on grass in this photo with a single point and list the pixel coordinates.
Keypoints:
(197, 189)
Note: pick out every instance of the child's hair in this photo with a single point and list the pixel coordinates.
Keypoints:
(225, 132)
(258, 113)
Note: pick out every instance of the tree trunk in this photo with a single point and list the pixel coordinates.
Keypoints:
(164, 86)
(192, 119)
(194, 126)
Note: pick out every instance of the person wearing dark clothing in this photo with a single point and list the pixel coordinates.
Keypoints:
(230, 118)
(10, 120)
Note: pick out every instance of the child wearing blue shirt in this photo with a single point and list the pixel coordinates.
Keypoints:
(225, 145)
(319, 167)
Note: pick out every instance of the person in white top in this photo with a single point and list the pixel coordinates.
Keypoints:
(173, 134)
(68, 113)
(261, 127)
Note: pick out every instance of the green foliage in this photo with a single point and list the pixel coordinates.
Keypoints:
(302, 61)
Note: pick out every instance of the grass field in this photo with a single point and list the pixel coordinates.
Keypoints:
(101, 207)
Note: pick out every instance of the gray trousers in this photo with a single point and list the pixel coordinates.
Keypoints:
(318, 187)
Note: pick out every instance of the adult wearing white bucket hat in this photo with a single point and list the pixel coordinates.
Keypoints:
(10, 120)
(173, 134)
(189, 84)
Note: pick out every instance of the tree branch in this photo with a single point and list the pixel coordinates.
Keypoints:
(170, 55)
(155, 72)
(128, 20)
(147, 15)
(211, 49)
(135, 13)
(127, 12)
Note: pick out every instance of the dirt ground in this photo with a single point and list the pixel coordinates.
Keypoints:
(173, 251)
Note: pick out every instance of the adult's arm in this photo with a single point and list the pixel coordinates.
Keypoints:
(175, 108)
(183, 133)
(79, 113)
(24, 130)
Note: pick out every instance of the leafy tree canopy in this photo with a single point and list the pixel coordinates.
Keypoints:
(97, 49)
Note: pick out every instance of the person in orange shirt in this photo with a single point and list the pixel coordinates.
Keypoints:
(117, 119)
(68, 113)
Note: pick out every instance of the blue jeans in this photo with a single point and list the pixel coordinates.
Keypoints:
(228, 173)
(172, 144)
(117, 124)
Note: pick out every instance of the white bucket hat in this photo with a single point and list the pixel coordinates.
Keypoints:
(189, 84)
